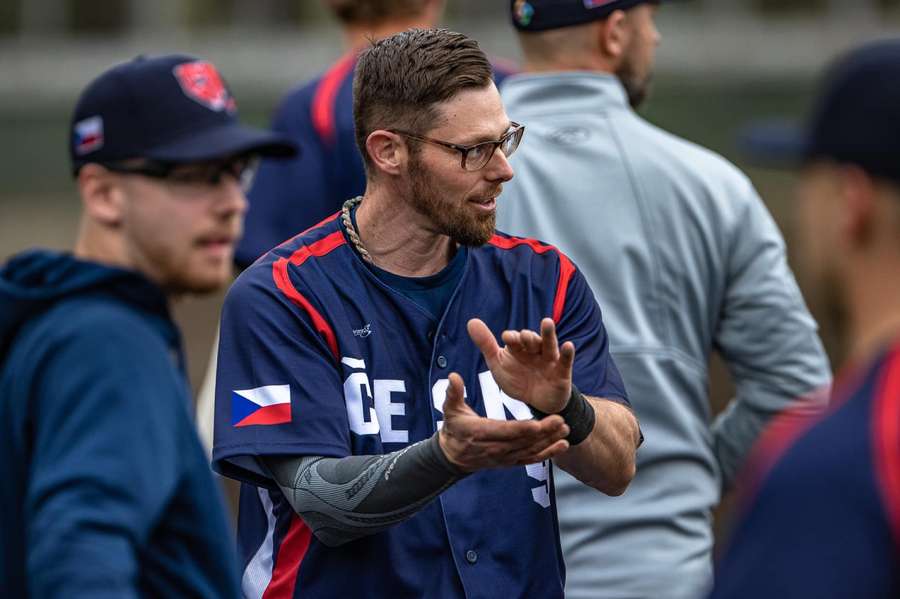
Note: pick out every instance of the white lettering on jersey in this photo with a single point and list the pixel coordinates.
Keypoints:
(541, 473)
(385, 408)
(356, 412)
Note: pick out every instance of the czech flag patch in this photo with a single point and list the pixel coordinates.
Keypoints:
(270, 404)
(88, 135)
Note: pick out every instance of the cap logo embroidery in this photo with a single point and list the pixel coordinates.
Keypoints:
(88, 135)
(597, 3)
(201, 82)
(524, 12)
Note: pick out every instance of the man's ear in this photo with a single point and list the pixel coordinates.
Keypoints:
(387, 151)
(859, 206)
(614, 35)
(102, 195)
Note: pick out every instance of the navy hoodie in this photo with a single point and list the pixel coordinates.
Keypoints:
(105, 491)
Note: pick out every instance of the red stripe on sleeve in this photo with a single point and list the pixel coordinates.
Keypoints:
(283, 282)
(322, 222)
(287, 563)
(566, 268)
(323, 103)
(886, 440)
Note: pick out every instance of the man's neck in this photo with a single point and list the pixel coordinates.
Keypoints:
(398, 238)
(873, 292)
(587, 64)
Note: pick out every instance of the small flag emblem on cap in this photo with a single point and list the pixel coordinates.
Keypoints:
(524, 12)
(88, 135)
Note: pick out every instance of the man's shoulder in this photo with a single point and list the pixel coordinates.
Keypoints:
(83, 318)
(517, 256)
(277, 269)
(666, 150)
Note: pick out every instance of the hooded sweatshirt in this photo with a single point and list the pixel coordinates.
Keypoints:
(106, 491)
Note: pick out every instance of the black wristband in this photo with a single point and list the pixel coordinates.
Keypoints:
(578, 414)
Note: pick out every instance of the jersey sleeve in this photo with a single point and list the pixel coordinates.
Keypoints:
(111, 415)
(278, 385)
(595, 373)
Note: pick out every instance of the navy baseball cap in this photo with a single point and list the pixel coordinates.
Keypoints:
(541, 15)
(856, 119)
(173, 109)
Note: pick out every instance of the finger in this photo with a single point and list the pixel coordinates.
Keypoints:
(513, 432)
(549, 340)
(567, 356)
(531, 341)
(551, 451)
(528, 451)
(512, 340)
(484, 340)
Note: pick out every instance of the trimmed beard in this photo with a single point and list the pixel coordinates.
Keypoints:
(636, 88)
(450, 219)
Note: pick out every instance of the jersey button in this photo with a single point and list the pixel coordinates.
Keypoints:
(471, 556)
(441, 362)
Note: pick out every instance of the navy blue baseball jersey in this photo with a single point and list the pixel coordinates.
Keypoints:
(825, 518)
(294, 194)
(318, 356)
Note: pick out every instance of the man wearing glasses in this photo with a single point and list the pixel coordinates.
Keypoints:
(107, 492)
(388, 446)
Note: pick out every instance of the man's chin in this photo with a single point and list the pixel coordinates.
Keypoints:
(476, 232)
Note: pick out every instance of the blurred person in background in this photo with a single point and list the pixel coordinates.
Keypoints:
(685, 260)
(821, 509)
(106, 491)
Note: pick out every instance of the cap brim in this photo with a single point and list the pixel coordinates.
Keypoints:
(773, 143)
(219, 142)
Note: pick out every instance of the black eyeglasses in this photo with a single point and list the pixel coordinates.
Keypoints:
(242, 169)
(476, 156)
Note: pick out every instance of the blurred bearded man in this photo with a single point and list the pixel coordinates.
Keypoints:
(107, 492)
(685, 260)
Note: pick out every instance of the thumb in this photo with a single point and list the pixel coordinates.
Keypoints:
(455, 402)
(484, 340)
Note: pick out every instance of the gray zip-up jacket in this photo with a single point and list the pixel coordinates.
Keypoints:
(684, 259)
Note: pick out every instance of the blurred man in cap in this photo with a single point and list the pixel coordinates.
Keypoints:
(685, 260)
(821, 514)
(106, 490)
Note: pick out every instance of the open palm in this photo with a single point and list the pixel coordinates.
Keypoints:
(531, 367)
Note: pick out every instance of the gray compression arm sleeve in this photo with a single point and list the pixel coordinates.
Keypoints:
(342, 499)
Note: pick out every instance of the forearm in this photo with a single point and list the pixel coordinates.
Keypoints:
(342, 499)
(605, 460)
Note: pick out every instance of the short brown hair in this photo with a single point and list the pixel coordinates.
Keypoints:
(354, 12)
(399, 80)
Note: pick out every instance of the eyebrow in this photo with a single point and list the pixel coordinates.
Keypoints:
(486, 137)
